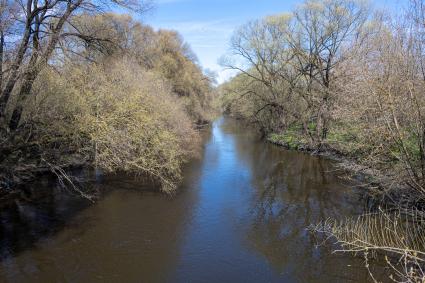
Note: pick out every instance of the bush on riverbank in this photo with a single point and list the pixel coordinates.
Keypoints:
(107, 100)
(123, 118)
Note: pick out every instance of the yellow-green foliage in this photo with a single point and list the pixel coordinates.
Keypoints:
(126, 100)
(124, 117)
(175, 61)
(163, 52)
(120, 96)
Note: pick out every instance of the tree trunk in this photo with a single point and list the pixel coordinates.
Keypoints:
(35, 68)
(15, 66)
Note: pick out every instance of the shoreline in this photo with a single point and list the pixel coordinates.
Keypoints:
(369, 179)
(13, 179)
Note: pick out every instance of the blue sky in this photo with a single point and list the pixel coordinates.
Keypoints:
(207, 25)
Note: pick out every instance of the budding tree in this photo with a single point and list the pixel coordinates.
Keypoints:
(39, 26)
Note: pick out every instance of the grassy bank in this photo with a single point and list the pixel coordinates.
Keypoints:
(340, 140)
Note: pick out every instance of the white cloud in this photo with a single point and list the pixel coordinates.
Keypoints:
(208, 39)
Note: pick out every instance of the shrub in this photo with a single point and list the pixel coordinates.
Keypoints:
(123, 117)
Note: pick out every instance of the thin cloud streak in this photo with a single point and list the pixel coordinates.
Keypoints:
(208, 39)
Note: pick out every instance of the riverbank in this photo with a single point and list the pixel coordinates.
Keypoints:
(297, 142)
(25, 165)
(380, 187)
(396, 208)
(113, 110)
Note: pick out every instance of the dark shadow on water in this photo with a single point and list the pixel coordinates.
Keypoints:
(42, 210)
(52, 235)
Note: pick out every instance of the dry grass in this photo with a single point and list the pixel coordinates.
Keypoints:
(398, 236)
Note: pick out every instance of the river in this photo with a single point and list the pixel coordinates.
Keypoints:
(240, 216)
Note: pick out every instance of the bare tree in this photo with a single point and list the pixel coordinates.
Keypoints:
(295, 58)
(320, 33)
(41, 24)
(264, 57)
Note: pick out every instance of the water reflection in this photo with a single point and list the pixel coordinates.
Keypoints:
(241, 216)
(290, 192)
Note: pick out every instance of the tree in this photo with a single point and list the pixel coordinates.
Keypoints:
(320, 35)
(296, 56)
(164, 52)
(41, 25)
(263, 57)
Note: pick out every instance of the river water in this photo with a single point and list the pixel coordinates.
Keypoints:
(240, 216)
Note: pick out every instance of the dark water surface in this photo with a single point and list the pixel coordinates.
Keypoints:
(240, 216)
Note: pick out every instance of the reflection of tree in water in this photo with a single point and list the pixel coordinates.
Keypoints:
(292, 191)
(133, 232)
(40, 212)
